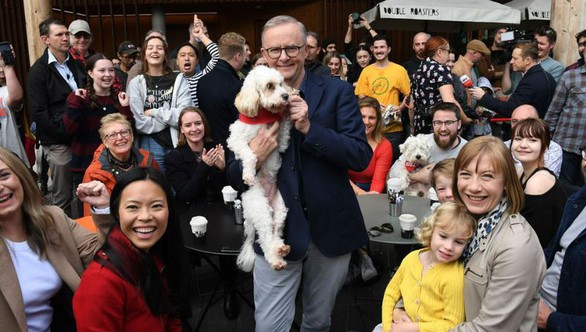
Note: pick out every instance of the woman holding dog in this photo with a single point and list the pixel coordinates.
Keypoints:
(504, 263)
(544, 196)
(372, 180)
(432, 83)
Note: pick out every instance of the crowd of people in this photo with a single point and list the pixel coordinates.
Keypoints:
(136, 141)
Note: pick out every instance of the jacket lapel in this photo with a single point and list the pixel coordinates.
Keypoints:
(10, 288)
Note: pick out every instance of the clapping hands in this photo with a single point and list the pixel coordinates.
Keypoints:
(214, 157)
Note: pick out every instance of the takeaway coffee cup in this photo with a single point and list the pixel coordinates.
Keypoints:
(199, 226)
(407, 222)
(229, 194)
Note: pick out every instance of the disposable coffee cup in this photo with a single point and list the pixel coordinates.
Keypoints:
(407, 222)
(199, 226)
(432, 195)
(229, 194)
(394, 184)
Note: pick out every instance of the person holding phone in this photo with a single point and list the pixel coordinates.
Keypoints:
(11, 96)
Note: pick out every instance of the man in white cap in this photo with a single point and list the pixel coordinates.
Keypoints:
(80, 37)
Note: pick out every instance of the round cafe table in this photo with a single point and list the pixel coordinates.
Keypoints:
(375, 210)
(223, 238)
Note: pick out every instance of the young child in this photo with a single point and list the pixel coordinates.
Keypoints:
(430, 281)
(441, 179)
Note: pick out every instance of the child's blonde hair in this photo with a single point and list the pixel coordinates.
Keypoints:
(448, 215)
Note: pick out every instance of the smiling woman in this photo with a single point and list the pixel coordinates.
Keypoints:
(85, 108)
(504, 263)
(138, 280)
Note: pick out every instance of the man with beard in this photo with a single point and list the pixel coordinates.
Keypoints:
(581, 40)
(385, 81)
(418, 46)
(563, 301)
(444, 141)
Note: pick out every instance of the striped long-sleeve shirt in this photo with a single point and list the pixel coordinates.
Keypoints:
(193, 80)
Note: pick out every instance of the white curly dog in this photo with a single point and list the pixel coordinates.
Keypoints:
(415, 153)
(261, 101)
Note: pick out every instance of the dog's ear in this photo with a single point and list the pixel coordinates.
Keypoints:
(402, 147)
(248, 101)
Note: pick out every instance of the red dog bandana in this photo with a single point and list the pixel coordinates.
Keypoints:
(263, 117)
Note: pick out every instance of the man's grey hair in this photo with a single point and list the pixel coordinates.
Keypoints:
(283, 19)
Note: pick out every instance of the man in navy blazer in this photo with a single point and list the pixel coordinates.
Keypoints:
(563, 291)
(324, 223)
(536, 88)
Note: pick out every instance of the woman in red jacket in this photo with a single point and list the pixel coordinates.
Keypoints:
(372, 180)
(138, 280)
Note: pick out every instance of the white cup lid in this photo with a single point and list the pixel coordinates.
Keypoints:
(394, 184)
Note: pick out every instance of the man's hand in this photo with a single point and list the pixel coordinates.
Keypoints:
(476, 93)
(542, 315)
(265, 142)
(94, 193)
(299, 113)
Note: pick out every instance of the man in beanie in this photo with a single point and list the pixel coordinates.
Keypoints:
(80, 38)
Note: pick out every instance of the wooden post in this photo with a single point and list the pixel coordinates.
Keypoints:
(568, 17)
(35, 11)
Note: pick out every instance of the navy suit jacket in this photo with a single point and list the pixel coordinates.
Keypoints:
(313, 178)
(535, 88)
(571, 300)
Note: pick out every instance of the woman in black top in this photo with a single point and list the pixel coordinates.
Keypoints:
(544, 197)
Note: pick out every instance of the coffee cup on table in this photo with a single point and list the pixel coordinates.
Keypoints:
(199, 226)
(407, 222)
(229, 194)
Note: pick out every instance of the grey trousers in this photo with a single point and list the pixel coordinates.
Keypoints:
(275, 291)
(59, 159)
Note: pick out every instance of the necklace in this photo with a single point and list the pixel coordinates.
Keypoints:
(104, 104)
(156, 80)
(119, 166)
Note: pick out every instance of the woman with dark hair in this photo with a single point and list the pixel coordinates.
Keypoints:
(85, 108)
(363, 58)
(192, 165)
(42, 252)
(138, 280)
(544, 196)
(157, 96)
(432, 83)
(258, 60)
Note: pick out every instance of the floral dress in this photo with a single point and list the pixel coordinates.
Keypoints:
(425, 84)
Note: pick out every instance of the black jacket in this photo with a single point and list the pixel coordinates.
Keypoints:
(47, 93)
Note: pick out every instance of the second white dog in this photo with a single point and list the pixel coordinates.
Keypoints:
(261, 101)
(415, 153)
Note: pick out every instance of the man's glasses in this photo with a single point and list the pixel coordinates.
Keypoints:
(291, 51)
(377, 230)
(113, 136)
(447, 123)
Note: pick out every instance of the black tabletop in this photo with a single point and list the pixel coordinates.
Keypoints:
(223, 235)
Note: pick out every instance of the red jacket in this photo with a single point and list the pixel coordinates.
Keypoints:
(100, 169)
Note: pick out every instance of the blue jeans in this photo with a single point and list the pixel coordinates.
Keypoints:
(157, 150)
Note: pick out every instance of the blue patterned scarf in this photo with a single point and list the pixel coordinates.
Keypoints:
(485, 226)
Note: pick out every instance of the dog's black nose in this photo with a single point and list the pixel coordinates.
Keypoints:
(285, 96)
(418, 157)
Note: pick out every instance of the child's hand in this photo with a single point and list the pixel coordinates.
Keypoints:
(400, 316)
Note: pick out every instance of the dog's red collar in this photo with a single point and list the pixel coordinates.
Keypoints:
(263, 117)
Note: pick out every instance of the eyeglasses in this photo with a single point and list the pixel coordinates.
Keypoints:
(448, 123)
(384, 228)
(113, 136)
(291, 51)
